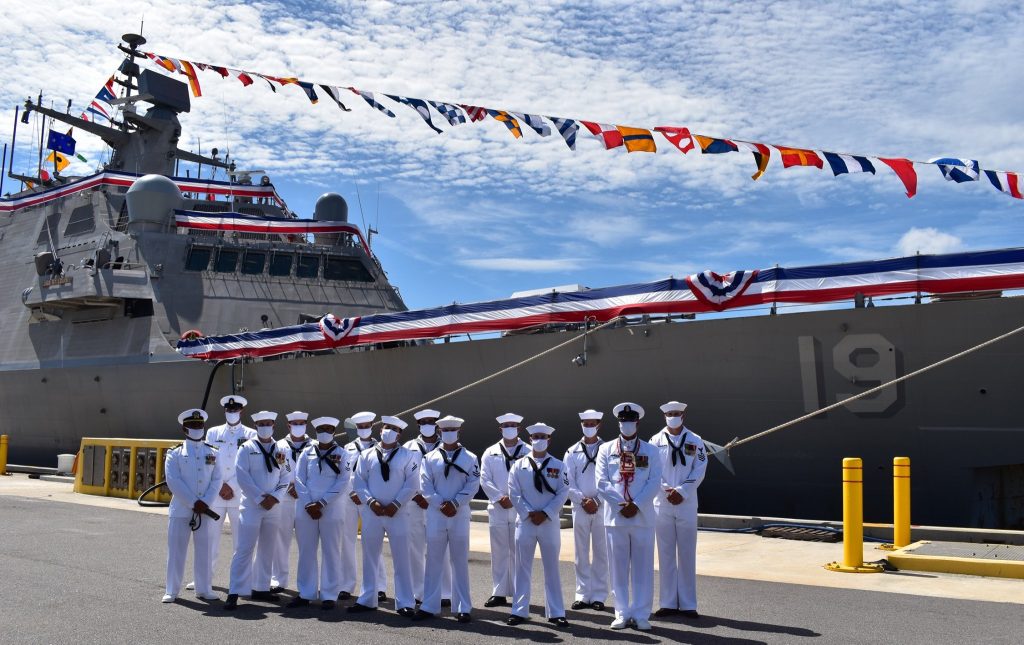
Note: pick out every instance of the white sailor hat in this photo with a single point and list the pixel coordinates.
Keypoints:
(673, 406)
(264, 415)
(591, 415)
(364, 417)
(233, 399)
(509, 417)
(325, 421)
(394, 422)
(427, 414)
(450, 422)
(192, 414)
(628, 408)
(540, 428)
(297, 416)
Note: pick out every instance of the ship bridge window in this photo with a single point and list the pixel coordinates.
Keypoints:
(81, 221)
(198, 259)
(280, 264)
(211, 207)
(350, 269)
(48, 233)
(253, 262)
(308, 266)
(227, 260)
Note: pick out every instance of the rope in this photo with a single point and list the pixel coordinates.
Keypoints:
(739, 442)
(509, 368)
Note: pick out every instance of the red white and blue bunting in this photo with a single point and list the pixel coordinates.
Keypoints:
(267, 225)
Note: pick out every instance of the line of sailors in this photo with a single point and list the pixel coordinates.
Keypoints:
(626, 494)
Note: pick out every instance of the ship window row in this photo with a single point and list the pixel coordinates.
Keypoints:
(276, 264)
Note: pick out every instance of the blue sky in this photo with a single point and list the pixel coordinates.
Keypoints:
(473, 214)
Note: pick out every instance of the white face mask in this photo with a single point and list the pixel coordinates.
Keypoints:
(324, 437)
(195, 434)
(428, 430)
(509, 433)
(233, 418)
(673, 422)
(589, 432)
(450, 436)
(364, 433)
(388, 436)
(627, 428)
(264, 432)
(540, 445)
(298, 431)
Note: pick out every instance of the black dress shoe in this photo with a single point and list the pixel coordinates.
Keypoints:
(277, 589)
(463, 618)
(597, 606)
(422, 615)
(664, 612)
(495, 601)
(689, 613)
(381, 596)
(446, 602)
(358, 609)
(344, 595)
(559, 621)
(406, 612)
(327, 605)
(516, 620)
(232, 602)
(297, 602)
(579, 604)
(264, 595)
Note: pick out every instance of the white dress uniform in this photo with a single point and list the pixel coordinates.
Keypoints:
(528, 474)
(630, 540)
(350, 525)
(386, 477)
(684, 462)
(227, 439)
(316, 480)
(495, 465)
(448, 477)
(261, 470)
(286, 526)
(192, 474)
(588, 530)
(417, 518)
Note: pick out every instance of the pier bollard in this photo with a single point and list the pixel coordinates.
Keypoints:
(3, 454)
(900, 501)
(853, 521)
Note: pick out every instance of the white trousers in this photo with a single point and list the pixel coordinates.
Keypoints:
(226, 513)
(449, 537)
(528, 536)
(418, 555)
(677, 557)
(257, 536)
(397, 530)
(279, 569)
(501, 524)
(324, 534)
(349, 536)
(591, 555)
(631, 556)
(178, 534)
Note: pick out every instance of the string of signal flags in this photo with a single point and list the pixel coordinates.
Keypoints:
(633, 139)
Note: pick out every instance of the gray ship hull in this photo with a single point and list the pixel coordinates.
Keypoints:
(960, 424)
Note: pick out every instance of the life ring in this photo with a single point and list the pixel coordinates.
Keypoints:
(191, 334)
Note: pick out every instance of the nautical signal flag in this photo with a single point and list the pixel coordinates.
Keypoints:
(60, 143)
(637, 139)
(842, 164)
(904, 169)
(453, 113)
(568, 129)
(335, 94)
(958, 170)
(762, 154)
(679, 137)
(474, 113)
(535, 122)
(712, 146)
(421, 108)
(193, 79)
(609, 134)
(800, 157)
(1007, 182)
(374, 103)
(58, 160)
(510, 122)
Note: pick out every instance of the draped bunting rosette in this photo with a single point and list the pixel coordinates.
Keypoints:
(613, 135)
(701, 292)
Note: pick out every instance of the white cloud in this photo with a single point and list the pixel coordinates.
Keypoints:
(527, 265)
(927, 241)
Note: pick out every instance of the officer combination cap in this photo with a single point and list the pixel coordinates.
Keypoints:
(192, 414)
(628, 412)
(673, 406)
(450, 422)
(591, 415)
(364, 417)
(233, 399)
(394, 422)
(510, 417)
(540, 428)
(325, 421)
(297, 416)
(264, 415)
(427, 414)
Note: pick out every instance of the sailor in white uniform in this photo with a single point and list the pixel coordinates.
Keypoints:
(194, 479)
(264, 475)
(386, 478)
(322, 481)
(538, 486)
(628, 479)
(591, 562)
(428, 440)
(684, 461)
(449, 478)
(495, 465)
(354, 509)
(291, 447)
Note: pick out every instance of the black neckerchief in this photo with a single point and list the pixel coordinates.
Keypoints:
(385, 463)
(422, 445)
(268, 457)
(450, 463)
(509, 458)
(586, 455)
(539, 481)
(296, 451)
(320, 457)
(677, 451)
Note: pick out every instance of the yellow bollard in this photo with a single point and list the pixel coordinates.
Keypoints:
(853, 521)
(900, 501)
(3, 454)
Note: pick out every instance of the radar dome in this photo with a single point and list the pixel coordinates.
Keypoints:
(152, 199)
(331, 207)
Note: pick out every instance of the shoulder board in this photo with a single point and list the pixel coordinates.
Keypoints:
(210, 446)
(177, 447)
